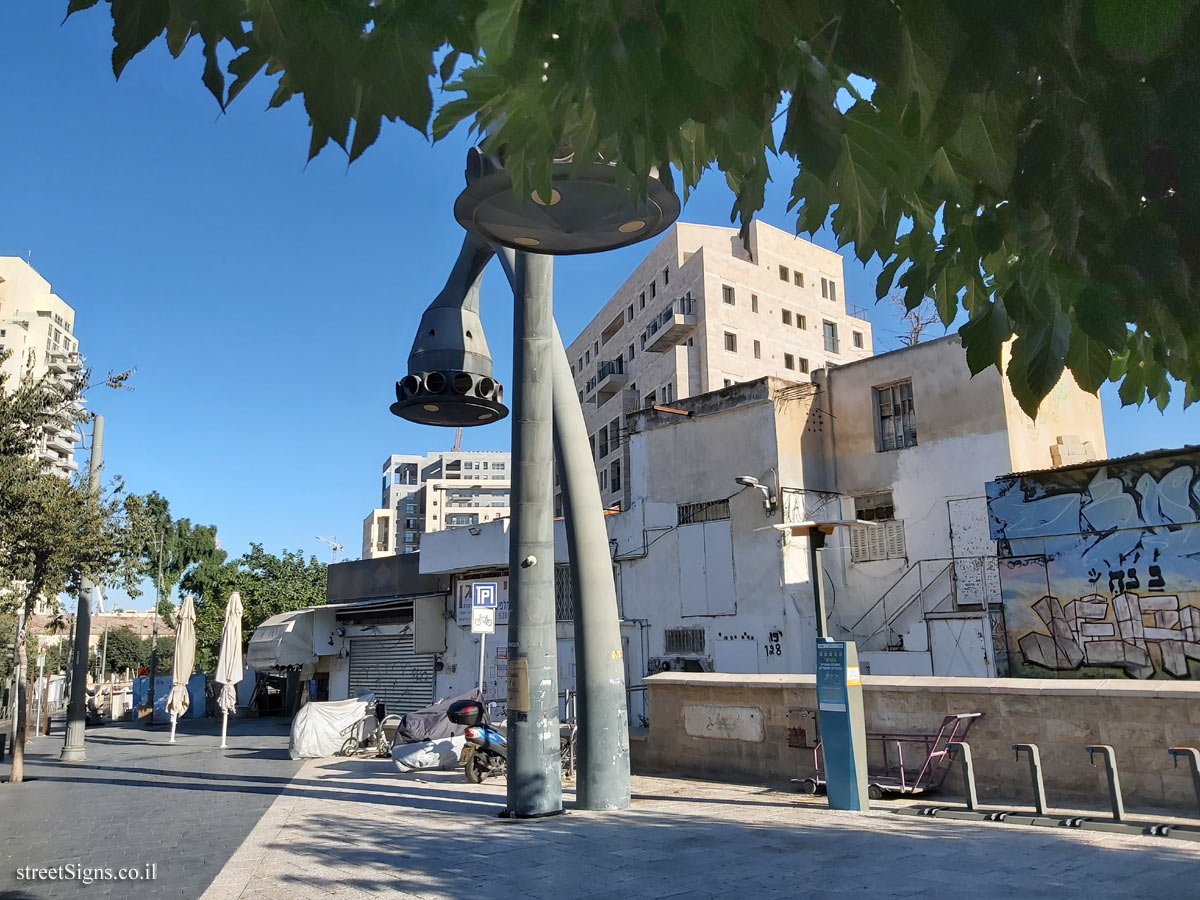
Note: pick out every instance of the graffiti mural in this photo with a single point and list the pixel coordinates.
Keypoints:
(1100, 567)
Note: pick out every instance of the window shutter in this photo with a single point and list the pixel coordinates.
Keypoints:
(878, 543)
(859, 546)
(894, 531)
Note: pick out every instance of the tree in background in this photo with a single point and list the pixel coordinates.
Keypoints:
(182, 544)
(915, 322)
(124, 649)
(1032, 163)
(54, 532)
(269, 585)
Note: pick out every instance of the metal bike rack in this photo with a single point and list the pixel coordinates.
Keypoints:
(1193, 758)
(972, 813)
(1118, 823)
(1039, 791)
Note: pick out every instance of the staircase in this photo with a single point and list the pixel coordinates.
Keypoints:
(926, 588)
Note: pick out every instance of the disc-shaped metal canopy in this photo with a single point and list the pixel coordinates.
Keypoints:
(587, 212)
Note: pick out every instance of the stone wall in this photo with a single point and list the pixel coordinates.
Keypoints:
(736, 726)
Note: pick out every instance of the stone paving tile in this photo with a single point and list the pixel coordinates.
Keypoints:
(360, 830)
(136, 800)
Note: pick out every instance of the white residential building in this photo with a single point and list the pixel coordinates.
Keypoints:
(38, 327)
(702, 312)
(433, 492)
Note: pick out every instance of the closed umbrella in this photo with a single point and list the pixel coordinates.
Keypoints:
(185, 657)
(229, 663)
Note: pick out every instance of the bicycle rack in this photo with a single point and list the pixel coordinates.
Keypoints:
(1118, 823)
(1193, 758)
(1039, 791)
(972, 813)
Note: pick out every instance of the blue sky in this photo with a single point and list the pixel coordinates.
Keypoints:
(269, 306)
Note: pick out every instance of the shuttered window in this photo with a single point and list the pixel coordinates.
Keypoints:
(884, 540)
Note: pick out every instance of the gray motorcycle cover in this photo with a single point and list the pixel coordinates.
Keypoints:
(430, 723)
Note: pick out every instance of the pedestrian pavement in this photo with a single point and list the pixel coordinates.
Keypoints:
(139, 801)
(357, 829)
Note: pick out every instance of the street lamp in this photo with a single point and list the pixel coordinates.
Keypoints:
(816, 532)
(587, 211)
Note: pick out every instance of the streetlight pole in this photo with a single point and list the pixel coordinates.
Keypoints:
(603, 770)
(534, 779)
(73, 750)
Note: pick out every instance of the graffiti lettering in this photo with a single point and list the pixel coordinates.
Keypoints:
(1084, 633)
(1156, 582)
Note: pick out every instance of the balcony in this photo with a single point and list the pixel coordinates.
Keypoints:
(672, 326)
(610, 378)
(62, 363)
(855, 311)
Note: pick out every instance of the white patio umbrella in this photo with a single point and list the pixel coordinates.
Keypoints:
(229, 663)
(185, 658)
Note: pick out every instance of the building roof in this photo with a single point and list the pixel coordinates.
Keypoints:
(1112, 460)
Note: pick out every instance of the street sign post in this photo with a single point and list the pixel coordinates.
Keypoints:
(843, 732)
(483, 617)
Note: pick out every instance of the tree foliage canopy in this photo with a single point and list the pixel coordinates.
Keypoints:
(1034, 162)
(269, 585)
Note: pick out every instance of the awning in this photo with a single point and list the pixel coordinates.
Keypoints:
(282, 640)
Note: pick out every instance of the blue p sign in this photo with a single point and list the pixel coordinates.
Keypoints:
(484, 593)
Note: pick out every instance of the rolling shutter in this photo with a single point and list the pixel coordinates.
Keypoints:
(388, 666)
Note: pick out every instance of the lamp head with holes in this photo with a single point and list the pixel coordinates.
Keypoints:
(449, 380)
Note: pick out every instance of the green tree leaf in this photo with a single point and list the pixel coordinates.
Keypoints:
(497, 29)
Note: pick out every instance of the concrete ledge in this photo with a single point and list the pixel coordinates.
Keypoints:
(1066, 687)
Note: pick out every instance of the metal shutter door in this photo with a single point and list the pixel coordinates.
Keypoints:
(388, 666)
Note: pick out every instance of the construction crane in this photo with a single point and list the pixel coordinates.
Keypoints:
(333, 545)
(457, 440)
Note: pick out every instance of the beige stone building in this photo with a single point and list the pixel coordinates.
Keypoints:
(455, 489)
(38, 327)
(702, 312)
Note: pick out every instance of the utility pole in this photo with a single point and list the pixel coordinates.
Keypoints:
(534, 776)
(154, 630)
(73, 750)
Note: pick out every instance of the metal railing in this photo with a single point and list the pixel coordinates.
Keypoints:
(610, 367)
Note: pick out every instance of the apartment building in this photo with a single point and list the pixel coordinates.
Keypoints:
(38, 327)
(433, 492)
(703, 312)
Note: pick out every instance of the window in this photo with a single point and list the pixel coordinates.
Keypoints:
(642, 300)
(604, 442)
(666, 276)
(731, 342)
(829, 289)
(882, 540)
(587, 356)
(653, 289)
(642, 342)
(630, 357)
(410, 537)
(858, 340)
(614, 475)
(798, 279)
(783, 273)
(728, 382)
(757, 350)
(787, 316)
(727, 295)
(572, 368)
(803, 365)
(789, 361)
(581, 396)
(604, 479)
(831, 337)
(629, 313)
(896, 416)
(650, 399)
(410, 507)
(581, 364)
(754, 303)
(833, 290)
(801, 321)
(596, 348)
(709, 511)
(410, 523)
(668, 392)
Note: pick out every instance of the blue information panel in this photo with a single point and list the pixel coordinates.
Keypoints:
(843, 736)
(484, 593)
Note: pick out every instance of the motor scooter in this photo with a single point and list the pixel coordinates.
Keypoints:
(487, 746)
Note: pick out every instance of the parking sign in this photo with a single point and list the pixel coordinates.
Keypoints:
(484, 593)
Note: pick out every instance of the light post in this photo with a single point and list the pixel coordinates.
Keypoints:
(73, 750)
(587, 211)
